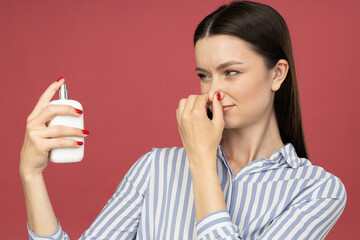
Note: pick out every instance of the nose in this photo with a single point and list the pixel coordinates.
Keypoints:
(214, 89)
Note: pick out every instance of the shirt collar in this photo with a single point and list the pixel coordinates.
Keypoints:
(287, 153)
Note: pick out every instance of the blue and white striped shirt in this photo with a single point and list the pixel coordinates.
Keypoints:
(283, 197)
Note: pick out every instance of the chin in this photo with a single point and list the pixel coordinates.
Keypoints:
(232, 125)
(235, 122)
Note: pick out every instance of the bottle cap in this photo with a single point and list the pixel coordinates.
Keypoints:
(63, 93)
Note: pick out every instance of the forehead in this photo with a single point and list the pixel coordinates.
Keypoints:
(217, 49)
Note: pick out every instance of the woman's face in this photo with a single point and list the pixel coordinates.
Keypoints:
(227, 65)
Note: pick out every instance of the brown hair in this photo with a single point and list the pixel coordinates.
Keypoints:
(266, 31)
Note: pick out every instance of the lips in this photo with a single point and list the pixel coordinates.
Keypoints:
(227, 108)
(208, 104)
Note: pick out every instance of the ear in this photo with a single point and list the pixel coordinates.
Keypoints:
(279, 73)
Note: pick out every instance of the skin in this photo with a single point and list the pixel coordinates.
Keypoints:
(247, 132)
(39, 140)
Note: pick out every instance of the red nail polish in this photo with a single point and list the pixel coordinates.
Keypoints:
(80, 143)
(78, 111)
(85, 131)
(218, 96)
(61, 78)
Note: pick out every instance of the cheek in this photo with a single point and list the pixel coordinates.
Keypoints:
(251, 96)
(245, 91)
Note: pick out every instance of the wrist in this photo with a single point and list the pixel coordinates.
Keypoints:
(209, 168)
(29, 176)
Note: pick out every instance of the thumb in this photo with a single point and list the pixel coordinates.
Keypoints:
(218, 114)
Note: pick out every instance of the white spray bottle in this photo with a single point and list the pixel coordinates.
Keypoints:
(67, 155)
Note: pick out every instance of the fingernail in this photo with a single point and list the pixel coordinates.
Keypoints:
(80, 143)
(85, 131)
(218, 96)
(78, 111)
(61, 78)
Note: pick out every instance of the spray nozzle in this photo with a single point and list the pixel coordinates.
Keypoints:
(63, 93)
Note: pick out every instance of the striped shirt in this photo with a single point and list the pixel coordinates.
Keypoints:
(283, 197)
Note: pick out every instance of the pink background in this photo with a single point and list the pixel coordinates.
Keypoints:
(129, 63)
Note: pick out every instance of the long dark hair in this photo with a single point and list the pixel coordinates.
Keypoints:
(266, 31)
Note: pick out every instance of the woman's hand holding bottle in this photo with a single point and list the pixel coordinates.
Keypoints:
(40, 139)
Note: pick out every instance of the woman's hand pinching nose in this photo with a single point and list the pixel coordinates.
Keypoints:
(200, 135)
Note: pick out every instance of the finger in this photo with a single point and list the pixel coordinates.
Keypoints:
(52, 111)
(178, 122)
(46, 97)
(200, 105)
(61, 131)
(59, 143)
(218, 112)
(177, 115)
(181, 108)
(189, 105)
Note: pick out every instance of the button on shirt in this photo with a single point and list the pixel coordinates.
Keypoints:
(283, 197)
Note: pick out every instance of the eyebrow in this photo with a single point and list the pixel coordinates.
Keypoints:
(221, 66)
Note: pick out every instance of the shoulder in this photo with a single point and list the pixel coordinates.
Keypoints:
(163, 164)
(321, 183)
(156, 155)
(153, 162)
(167, 152)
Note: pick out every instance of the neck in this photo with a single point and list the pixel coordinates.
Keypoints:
(260, 140)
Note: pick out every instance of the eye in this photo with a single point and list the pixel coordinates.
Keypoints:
(231, 72)
(202, 76)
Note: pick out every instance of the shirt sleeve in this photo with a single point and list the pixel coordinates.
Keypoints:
(312, 215)
(308, 217)
(217, 225)
(119, 219)
(58, 235)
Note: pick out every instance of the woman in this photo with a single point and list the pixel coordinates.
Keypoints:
(243, 172)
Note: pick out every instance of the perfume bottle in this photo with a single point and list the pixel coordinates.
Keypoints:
(67, 155)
